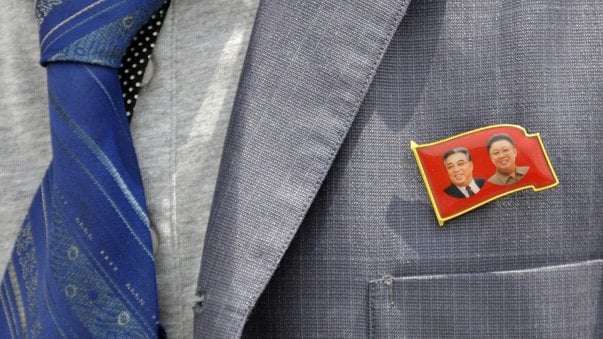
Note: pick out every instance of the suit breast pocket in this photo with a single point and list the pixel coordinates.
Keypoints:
(564, 301)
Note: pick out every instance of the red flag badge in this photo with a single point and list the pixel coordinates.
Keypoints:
(468, 170)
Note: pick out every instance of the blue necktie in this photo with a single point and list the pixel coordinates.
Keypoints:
(82, 265)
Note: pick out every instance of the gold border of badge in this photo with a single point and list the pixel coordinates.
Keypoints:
(414, 147)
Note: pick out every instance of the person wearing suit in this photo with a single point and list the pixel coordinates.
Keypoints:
(459, 167)
(503, 152)
(320, 225)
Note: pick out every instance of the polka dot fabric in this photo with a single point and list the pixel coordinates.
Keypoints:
(135, 61)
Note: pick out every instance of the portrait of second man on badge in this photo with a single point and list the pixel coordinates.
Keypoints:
(459, 167)
(503, 152)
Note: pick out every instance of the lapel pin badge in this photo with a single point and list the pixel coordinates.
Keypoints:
(468, 170)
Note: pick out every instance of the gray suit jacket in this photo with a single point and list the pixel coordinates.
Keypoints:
(321, 226)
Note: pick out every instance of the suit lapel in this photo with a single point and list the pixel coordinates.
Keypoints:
(308, 67)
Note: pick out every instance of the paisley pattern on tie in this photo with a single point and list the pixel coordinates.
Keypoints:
(82, 265)
(43, 7)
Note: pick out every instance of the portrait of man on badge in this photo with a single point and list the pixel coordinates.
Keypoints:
(459, 167)
(503, 152)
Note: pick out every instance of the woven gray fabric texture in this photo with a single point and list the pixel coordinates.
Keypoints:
(450, 67)
(513, 304)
